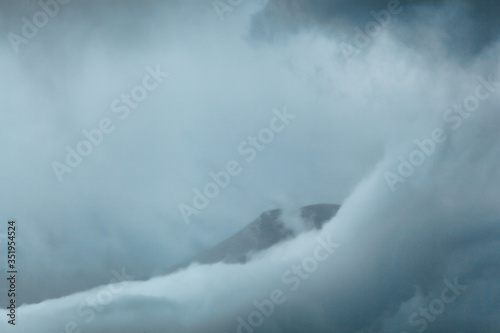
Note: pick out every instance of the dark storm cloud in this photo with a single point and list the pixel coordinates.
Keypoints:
(469, 25)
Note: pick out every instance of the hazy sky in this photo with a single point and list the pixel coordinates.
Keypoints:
(305, 104)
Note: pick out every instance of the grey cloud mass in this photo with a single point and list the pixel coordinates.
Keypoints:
(468, 27)
(398, 125)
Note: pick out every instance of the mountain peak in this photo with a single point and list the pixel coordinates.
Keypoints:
(267, 230)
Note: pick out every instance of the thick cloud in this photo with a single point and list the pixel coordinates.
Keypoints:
(467, 26)
(121, 204)
(357, 117)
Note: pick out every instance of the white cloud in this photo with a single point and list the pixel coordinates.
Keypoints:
(119, 208)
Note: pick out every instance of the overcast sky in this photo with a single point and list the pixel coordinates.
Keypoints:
(399, 124)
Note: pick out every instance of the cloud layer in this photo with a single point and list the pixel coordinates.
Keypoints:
(116, 215)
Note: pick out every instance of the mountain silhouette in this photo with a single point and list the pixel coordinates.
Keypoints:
(267, 230)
